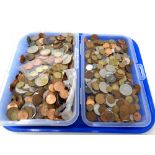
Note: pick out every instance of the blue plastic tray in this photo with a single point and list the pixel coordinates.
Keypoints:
(79, 126)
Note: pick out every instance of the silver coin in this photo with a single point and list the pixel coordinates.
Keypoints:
(89, 67)
(57, 52)
(42, 80)
(66, 59)
(103, 87)
(33, 49)
(96, 109)
(125, 89)
(103, 72)
(20, 91)
(110, 78)
(45, 52)
(110, 68)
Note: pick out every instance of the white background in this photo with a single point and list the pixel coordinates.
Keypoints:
(131, 18)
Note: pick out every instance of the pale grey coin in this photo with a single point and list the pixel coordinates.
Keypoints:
(30, 105)
(103, 72)
(66, 59)
(45, 52)
(26, 87)
(96, 109)
(110, 68)
(20, 91)
(89, 67)
(131, 117)
(125, 89)
(42, 80)
(110, 78)
(127, 60)
(89, 86)
(33, 49)
(57, 52)
(103, 87)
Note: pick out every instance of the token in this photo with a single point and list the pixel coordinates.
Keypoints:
(96, 109)
(89, 67)
(137, 116)
(103, 87)
(37, 99)
(58, 86)
(91, 116)
(45, 52)
(23, 114)
(42, 80)
(66, 59)
(33, 49)
(12, 113)
(100, 98)
(126, 89)
(20, 84)
(51, 99)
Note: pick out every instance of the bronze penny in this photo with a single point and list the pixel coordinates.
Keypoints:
(90, 101)
(102, 109)
(51, 99)
(51, 88)
(137, 116)
(110, 117)
(89, 44)
(115, 109)
(58, 86)
(64, 94)
(100, 98)
(22, 59)
(51, 114)
(37, 99)
(137, 88)
(116, 94)
(41, 91)
(43, 109)
(120, 102)
(89, 74)
(91, 116)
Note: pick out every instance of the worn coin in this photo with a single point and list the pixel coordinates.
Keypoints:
(103, 87)
(126, 89)
(12, 113)
(23, 114)
(91, 116)
(100, 98)
(42, 80)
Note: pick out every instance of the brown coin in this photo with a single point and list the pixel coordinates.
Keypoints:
(41, 91)
(91, 116)
(102, 109)
(44, 109)
(100, 98)
(51, 114)
(51, 88)
(51, 99)
(64, 93)
(137, 88)
(90, 101)
(125, 108)
(89, 44)
(137, 116)
(12, 104)
(22, 59)
(58, 86)
(116, 94)
(110, 117)
(28, 99)
(108, 51)
(23, 114)
(89, 107)
(120, 102)
(95, 85)
(124, 116)
(36, 99)
(12, 113)
(110, 99)
(106, 45)
(103, 118)
(89, 74)
(115, 109)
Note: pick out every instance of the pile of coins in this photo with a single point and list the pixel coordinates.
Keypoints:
(111, 94)
(42, 86)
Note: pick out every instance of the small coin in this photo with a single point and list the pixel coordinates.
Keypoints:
(58, 86)
(20, 84)
(110, 78)
(89, 67)
(30, 56)
(22, 59)
(37, 99)
(115, 109)
(51, 88)
(39, 69)
(95, 85)
(51, 99)
(89, 74)
(51, 114)
(96, 109)
(103, 87)
(91, 116)
(100, 98)
(28, 66)
(42, 80)
(33, 49)
(66, 59)
(108, 51)
(110, 100)
(43, 109)
(23, 114)
(12, 113)
(133, 108)
(89, 107)
(137, 116)
(33, 74)
(125, 89)
(89, 44)
(64, 93)
(45, 52)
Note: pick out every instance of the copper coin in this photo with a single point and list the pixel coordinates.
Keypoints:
(90, 101)
(91, 116)
(120, 102)
(125, 108)
(89, 107)
(44, 109)
(22, 59)
(102, 108)
(37, 99)
(100, 98)
(37, 62)
(58, 60)
(23, 114)
(110, 117)
(108, 51)
(89, 74)
(28, 99)
(110, 99)
(116, 94)
(115, 109)
(51, 99)
(64, 93)
(89, 44)
(51, 88)
(41, 91)
(137, 116)
(124, 116)
(51, 114)
(103, 118)
(58, 86)
(137, 88)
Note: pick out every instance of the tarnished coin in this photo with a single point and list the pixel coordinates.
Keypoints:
(42, 80)
(110, 78)
(12, 113)
(103, 87)
(45, 52)
(33, 49)
(110, 117)
(126, 89)
(51, 99)
(110, 101)
(37, 99)
(89, 74)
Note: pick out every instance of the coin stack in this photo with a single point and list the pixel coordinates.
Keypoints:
(40, 87)
(111, 94)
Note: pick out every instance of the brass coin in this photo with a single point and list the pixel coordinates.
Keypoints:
(12, 104)
(100, 98)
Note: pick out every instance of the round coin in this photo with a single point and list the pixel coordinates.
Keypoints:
(33, 49)
(37, 99)
(12, 113)
(103, 87)
(51, 99)
(66, 59)
(125, 89)
(58, 86)
(96, 109)
(64, 93)
(51, 114)
(42, 80)
(91, 116)
(23, 114)
(100, 98)
(45, 52)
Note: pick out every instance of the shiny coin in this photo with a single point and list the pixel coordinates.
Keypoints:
(37, 99)
(103, 87)
(66, 59)
(89, 67)
(33, 49)
(90, 101)
(51, 88)
(23, 114)
(20, 84)
(126, 89)
(51, 99)
(45, 52)
(58, 86)
(96, 109)
(64, 93)
(12, 113)
(42, 80)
